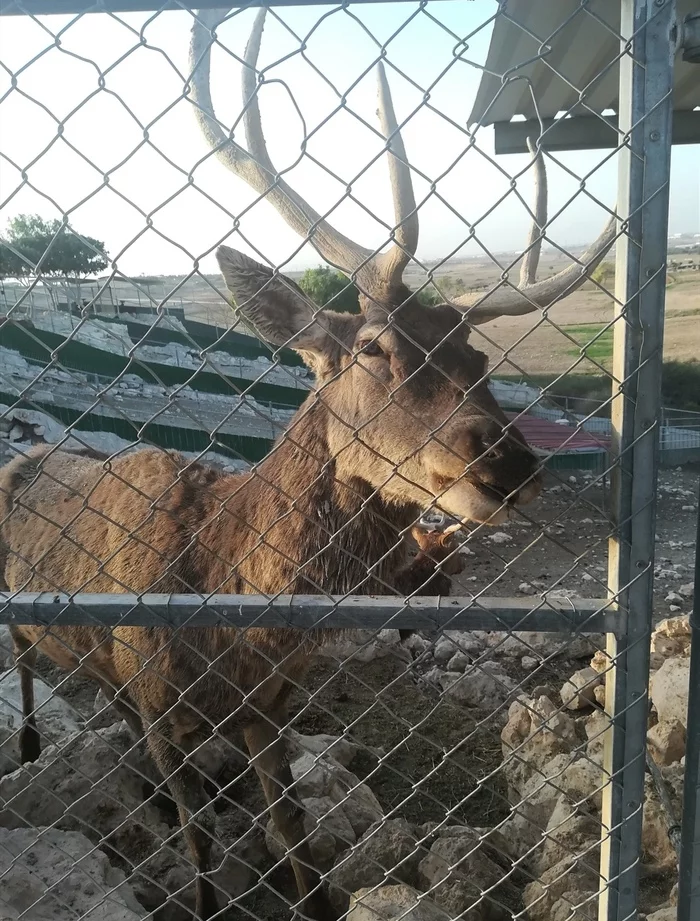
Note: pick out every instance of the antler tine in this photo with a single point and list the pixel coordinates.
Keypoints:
(531, 259)
(405, 213)
(335, 247)
(255, 166)
(532, 294)
(373, 273)
(513, 302)
(230, 153)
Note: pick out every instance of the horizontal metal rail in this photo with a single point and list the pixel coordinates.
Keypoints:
(550, 615)
(50, 7)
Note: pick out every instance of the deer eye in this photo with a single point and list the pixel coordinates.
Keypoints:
(371, 348)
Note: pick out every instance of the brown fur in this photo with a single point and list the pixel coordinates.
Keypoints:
(327, 511)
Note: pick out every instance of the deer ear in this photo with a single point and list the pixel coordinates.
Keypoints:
(275, 306)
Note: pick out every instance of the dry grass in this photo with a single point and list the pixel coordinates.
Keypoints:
(555, 343)
(530, 344)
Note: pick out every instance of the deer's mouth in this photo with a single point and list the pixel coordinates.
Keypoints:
(443, 484)
(470, 499)
(493, 492)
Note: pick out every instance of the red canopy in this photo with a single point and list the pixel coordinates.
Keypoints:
(548, 436)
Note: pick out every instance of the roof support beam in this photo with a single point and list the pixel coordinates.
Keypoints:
(583, 132)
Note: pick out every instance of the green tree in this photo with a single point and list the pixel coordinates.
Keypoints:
(330, 288)
(430, 296)
(604, 274)
(29, 236)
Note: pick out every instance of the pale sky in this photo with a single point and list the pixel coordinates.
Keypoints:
(105, 135)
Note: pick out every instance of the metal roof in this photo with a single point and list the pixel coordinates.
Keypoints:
(549, 58)
(548, 436)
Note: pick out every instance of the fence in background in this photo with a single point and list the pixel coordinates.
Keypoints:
(354, 694)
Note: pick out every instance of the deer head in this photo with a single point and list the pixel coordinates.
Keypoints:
(408, 405)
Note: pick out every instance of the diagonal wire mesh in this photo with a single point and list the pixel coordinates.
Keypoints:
(309, 598)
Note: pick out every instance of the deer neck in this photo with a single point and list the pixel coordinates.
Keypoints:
(337, 524)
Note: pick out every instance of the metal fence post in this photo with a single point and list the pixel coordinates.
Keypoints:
(646, 81)
(689, 881)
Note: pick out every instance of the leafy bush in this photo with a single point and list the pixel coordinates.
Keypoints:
(604, 274)
(329, 288)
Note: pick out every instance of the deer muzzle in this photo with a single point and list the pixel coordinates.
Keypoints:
(469, 498)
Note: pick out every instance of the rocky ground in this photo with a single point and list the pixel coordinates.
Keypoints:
(456, 775)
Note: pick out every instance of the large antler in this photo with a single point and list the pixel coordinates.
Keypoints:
(376, 274)
(531, 294)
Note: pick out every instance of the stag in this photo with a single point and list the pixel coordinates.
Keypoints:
(401, 419)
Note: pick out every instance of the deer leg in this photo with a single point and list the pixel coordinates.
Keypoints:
(25, 657)
(128, 711)
(268, 753)
(124, 708)
(196, 815)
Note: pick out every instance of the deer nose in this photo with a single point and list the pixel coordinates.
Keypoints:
(501, 453)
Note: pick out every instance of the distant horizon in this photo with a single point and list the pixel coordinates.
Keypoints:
(319, 263)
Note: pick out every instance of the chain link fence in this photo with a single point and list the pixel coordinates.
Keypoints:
(319, 606)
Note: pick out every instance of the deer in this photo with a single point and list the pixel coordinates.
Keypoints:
(400, 419)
